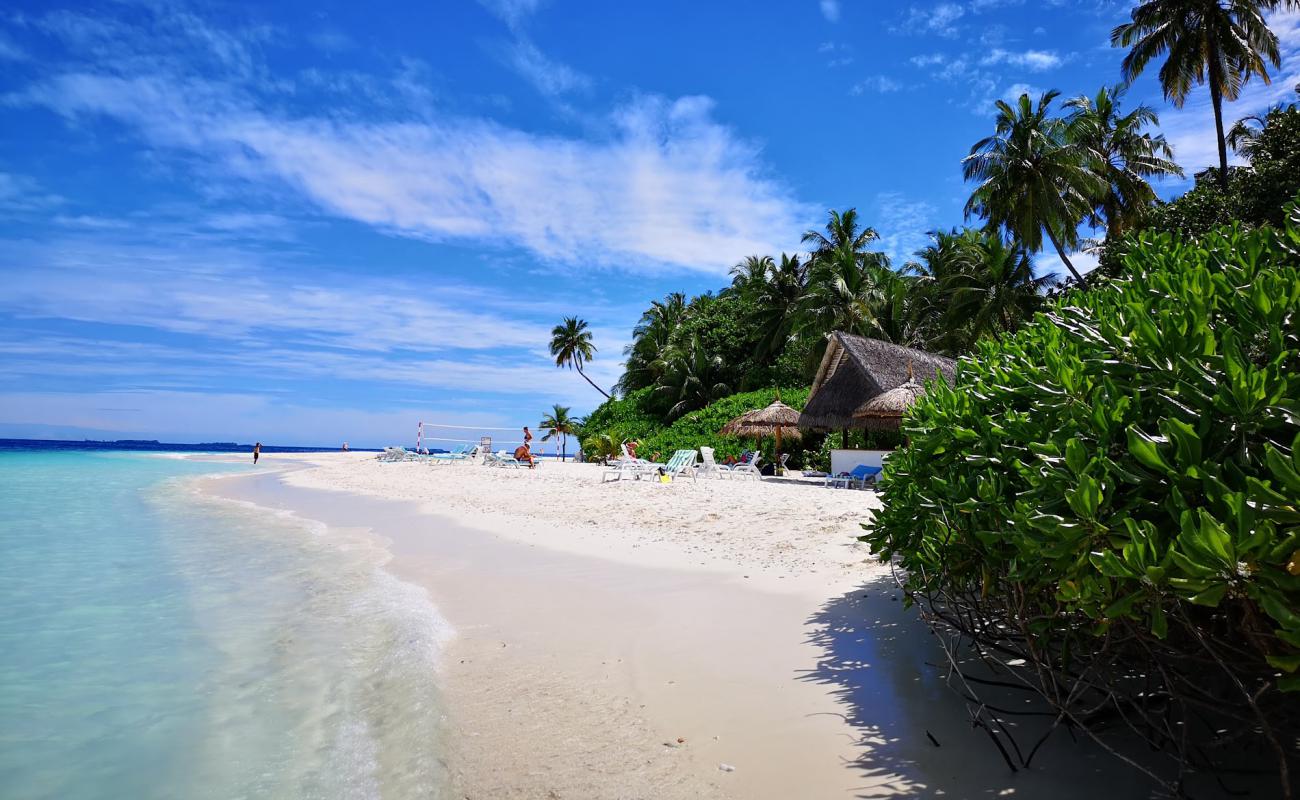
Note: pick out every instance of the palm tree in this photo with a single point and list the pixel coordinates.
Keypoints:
(557, 422)
(650, 340)
(750, 274)
(571, 345)
(843, 232)
(994, 290)
(1123, 156)
(776, 301)
(844, 293)
(692, 378)
(1032, 180)
(1221, 43)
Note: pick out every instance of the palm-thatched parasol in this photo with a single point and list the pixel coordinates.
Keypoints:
(770, 421)
(885, 411)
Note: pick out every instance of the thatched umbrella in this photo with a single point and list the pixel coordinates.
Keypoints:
(885, 411)
(770, 421)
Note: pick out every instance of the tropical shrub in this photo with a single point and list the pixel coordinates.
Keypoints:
(627, 419)
(1113, 494)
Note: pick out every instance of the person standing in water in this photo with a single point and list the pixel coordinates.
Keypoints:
(257, 451)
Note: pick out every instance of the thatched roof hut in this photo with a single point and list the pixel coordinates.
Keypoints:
(855, 370)
(776, 418)
(885, 411)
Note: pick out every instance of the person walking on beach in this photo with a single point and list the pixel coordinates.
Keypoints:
(528, 438)
(257, 451)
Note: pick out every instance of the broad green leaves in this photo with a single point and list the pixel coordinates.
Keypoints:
(1132, 456)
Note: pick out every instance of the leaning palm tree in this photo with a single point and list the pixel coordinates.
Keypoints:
(571, 345)
(1121, 154)
(1032, 180)
(557, 422)
(1221, 43)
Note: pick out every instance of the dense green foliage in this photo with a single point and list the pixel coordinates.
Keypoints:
(1130, 461)
(1255, 194)
(628, 419)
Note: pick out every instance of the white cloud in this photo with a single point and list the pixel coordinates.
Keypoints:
(1013, 92)
(903, 223)
(1048, 261)
(1034, 60)
(19, 193)
(929, 60)
(878, 84)
(666, 185)
(940, 20)
(830, 10)
(548, 76)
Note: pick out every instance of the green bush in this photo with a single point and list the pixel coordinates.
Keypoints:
(1125, 473)
(630, 418)
(700, 428)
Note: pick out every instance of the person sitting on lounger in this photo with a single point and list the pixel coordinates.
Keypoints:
(524, 455)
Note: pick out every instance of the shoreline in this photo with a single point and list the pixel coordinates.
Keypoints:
(583, 653)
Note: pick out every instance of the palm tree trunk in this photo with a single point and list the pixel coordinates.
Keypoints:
(593, 384)
(1216, 100)
(564, 443)
(1060, 251)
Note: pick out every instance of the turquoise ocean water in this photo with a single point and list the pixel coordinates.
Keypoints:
(157, 643)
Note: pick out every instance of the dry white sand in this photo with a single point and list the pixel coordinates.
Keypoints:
(599, 624)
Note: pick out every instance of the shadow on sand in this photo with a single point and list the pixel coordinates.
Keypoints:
(881, 661)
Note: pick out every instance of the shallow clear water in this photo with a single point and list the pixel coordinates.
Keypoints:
(158, 643)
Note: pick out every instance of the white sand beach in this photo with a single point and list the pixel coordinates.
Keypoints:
(716, 638)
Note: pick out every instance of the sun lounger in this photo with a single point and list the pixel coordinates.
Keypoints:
(748, 468)
(501, 459)
(857, 478)
(709, 467)
(458, 453)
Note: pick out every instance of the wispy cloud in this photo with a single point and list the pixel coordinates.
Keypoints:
(1034, 60)
(830, 9)
(548, 76)
(669, 184)
(904, 223)
(939, 20)
(877, 84)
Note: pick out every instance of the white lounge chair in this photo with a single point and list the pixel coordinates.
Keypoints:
(748, 468)
(458, 453)
(709, 466)
(682, 463)
(501, 459)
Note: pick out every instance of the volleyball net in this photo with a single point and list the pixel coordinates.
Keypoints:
(437, 434)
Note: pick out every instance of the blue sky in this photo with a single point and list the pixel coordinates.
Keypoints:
(314, 222)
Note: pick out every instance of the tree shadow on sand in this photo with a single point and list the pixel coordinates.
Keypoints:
(915, 735)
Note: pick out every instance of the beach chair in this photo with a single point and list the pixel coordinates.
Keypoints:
(748, 469)
(458, 453)
(857, 478)
(501, 459)
(682, 463)
(709, 467)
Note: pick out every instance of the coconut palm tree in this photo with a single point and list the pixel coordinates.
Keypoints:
(750, 274)
(692, 378)
(843, 231)
(1123, 155)
(993, 288)
(650, 338)
(1221, 43)
(557, 422)
(1032, 180)
(844, 293)
(776, 303)
(571, 345)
